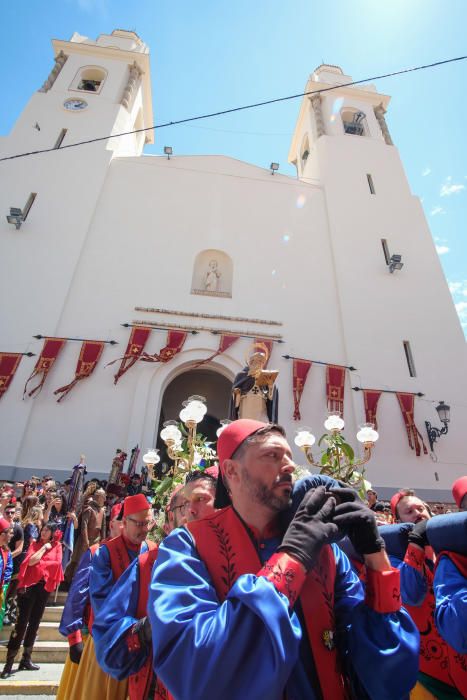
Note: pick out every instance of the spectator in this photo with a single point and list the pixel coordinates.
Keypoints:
(439, 509)
(39, 575)
(372, 498)
(56, 512)
(16, 548)
(6, 565)
(31, 522)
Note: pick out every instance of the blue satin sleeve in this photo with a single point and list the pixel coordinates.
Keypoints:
(245, 647)
(450, 588)
(101, 578)
(382, 650)
(116, 616)
(78, 597)
(413, 583)
(8, 569)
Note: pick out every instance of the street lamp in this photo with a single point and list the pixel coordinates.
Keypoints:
(444, 414)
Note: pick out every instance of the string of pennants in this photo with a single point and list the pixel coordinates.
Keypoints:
(91, 352)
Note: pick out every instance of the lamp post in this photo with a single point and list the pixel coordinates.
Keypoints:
(337, 460)
(151, 458)
(444, 414)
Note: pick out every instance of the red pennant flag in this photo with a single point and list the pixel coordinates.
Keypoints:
(89, 356)
(335, 382)
(227, 339)
(370, 399)
(9, 362)
(175, 342)
(300, 373)
(269, 344)
(406, 402)
(138, 338)
(49, 354)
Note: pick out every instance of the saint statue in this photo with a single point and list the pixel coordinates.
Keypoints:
(212, 277)
(254, 394)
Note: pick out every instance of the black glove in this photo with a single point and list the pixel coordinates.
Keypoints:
(344, 495)
(418, 534)
(311, 527)
(143, 629)
(357, 521)
(76, 651)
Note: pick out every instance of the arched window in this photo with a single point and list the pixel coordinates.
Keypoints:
(304, 151)
(89, 79)
(212, 274)
(354, 122)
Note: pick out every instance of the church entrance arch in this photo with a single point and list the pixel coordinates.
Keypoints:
(215, 388)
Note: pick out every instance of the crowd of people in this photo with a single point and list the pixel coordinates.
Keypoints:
(262, 587)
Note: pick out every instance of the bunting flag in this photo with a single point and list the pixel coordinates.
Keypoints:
(269, 344)
(9, 362)
(406, 402)
(227, 339)
(300, 373)
(335, 381)
(175, 342)
(370, 399)
(89, 356)
(49, 354)
(138, 338)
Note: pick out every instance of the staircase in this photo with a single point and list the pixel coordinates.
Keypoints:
(50, 652)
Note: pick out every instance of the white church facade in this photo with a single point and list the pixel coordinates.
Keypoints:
(212, 245)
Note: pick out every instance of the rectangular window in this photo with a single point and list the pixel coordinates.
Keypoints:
(370, 183)
(409, 358)
(59, 141)
(28, 205)
(387, 257)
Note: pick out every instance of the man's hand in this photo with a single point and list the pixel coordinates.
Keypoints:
(358, 522)
(76, 651)
(143, 629)
(418, 536)
(311, 527)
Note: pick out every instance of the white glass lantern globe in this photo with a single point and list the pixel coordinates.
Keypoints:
(194, 410)
(304, 438)
(151, 456)
(367, 433)
(170, 431)
(334, 422)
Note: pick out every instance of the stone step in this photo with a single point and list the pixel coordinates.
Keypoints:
(53, 614)
(43, 652)
(45, 681)
(60, 600)
(48, 632)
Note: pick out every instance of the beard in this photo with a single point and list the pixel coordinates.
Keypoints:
(267, 496)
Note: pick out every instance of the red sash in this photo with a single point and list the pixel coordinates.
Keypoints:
(434, 652)
(139, 683)
(457, 661)
(226, 548)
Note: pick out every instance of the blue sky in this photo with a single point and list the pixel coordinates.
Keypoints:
(208, 55)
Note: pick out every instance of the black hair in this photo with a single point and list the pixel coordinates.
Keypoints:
(50, 525)
(198, 474)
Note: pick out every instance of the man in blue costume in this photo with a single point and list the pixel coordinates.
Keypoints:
(122, 633)
(241, 609)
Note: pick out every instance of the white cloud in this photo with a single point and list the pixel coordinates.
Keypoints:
(458, 288)
(442, 249)
(448, 188)
(426, 172)
(437, 210)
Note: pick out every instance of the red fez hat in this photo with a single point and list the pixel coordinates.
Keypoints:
(4, 524)
(229, 441)
(395, 500)
(135, 504)
(115, 512)
(459, 489)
